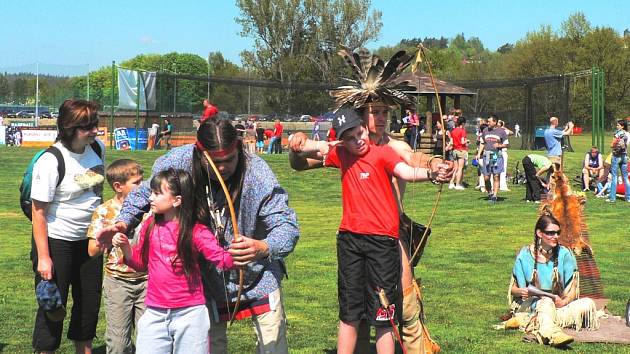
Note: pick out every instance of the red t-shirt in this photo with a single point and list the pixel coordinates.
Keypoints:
(332, 134)
(209, 112)
(277, 130)
(458, 134)
(369, 205)
(268, 133)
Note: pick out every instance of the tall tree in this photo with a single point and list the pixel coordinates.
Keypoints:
(5, 89)
(20, 90)
(228, 98)
(576, 27)
(297, 40)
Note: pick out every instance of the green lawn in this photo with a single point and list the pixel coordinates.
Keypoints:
(465, 269)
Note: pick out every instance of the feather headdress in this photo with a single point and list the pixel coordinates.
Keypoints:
(374, 80)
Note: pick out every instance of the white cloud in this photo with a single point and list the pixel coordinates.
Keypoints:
(147, 40)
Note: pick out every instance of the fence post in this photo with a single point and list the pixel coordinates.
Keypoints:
(137, 105)
(530, 127)
(111, 116)
(602, 104)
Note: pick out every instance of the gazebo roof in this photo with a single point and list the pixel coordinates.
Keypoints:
(422, 82)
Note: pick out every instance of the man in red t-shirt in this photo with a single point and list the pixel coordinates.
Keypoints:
(460, 152)
(367, 247)
(275, 144)
(209, 111)
(331, 135)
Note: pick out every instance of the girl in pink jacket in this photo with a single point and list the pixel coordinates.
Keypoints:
(176, 319)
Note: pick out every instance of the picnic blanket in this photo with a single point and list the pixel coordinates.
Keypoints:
(612, 329)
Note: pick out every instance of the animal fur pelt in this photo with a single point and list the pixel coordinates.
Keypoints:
(568, 208)
(373, 80)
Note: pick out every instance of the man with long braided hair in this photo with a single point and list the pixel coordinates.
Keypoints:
(268, 230)
(552, 268)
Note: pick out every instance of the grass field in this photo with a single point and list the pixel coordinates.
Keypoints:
(465, 269)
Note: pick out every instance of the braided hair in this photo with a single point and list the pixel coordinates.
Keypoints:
(557, 287)
(213, 135)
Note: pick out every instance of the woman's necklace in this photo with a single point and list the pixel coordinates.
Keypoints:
(544, 252)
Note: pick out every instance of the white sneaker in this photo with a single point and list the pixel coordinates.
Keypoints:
(459, 188)
(478, 187)
(483, 189)
(451, 186)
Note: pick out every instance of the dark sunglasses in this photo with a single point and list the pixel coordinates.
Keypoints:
(552, 233)
(88, 126)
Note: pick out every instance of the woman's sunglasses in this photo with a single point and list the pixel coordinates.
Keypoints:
(88, 126)
(552, 233)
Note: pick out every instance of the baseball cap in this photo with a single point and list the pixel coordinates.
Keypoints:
(49, 299)
(345, 119)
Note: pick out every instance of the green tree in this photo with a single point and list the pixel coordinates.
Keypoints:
(297, 40)
(506, 48)
(576, 27)
(228, 98)
(5, 89)
(20, 90)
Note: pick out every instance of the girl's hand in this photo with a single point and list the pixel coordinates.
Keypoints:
(104, 235)
(120, 240)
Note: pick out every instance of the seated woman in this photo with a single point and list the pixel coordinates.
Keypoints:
(551, 268)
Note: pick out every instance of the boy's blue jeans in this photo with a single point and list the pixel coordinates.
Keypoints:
(619, 162)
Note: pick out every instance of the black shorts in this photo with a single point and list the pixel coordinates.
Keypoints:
(367, 263)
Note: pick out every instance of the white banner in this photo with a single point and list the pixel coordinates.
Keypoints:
(3, 135)
(128, 89)
(38, 137)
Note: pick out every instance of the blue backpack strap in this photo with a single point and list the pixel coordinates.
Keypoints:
(25, 186)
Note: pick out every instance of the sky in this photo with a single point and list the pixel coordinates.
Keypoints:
(70, 36)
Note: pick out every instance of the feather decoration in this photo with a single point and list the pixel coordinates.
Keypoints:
(374, 80)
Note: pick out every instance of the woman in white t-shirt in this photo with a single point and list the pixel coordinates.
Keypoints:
(61, 216)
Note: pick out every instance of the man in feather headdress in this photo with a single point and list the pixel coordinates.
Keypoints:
(373, 91)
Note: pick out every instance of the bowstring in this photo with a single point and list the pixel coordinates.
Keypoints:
(212, 209)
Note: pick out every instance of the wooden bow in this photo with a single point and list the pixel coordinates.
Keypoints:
(237, 236)
(422, 55)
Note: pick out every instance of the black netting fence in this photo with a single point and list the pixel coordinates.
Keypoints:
(526, 103)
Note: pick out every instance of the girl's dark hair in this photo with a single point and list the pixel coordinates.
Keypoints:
(216, 134)
(72, 115)
(542, 223)
(623, 123)
(180, 183)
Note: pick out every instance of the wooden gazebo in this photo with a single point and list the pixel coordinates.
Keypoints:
(424, 88)
(422, 82)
